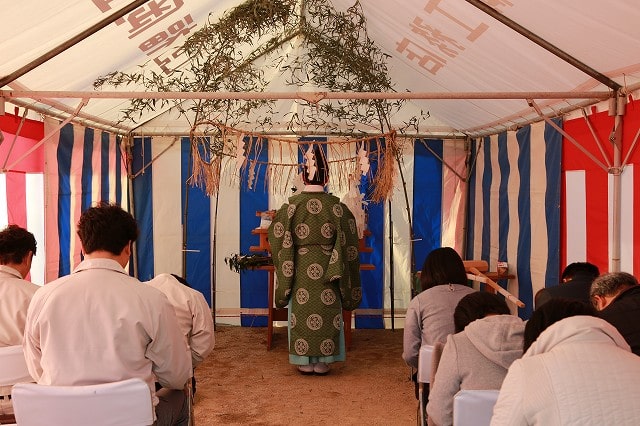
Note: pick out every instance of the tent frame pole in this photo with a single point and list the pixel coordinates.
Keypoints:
(618, 108)
(305, 96)
(391, 271)
(545, 44)
(568, 136)
(48, 136)
(69, 43)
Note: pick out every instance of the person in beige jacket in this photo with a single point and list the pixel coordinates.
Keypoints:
(487, 341)
(577, 369)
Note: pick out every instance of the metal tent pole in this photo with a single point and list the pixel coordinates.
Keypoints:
(71, 42)
(617, 107)
(299, 95)
(391, 272)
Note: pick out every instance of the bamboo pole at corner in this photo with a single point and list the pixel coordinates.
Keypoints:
(480, 277)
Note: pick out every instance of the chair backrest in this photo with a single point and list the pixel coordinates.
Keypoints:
(474, 407)
(13, 368)
(424, 363)
(435, 360)
(124, 403)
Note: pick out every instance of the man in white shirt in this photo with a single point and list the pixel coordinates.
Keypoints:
(17, 247)
(193, 313)
(99, 325)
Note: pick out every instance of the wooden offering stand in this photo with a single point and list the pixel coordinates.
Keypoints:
(478, 270)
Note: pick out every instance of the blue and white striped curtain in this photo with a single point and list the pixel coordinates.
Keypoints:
(160, 196)
(514, 207)
(160, 169)
(83, 166)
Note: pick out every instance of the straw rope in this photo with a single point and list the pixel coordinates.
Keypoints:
(222, 152)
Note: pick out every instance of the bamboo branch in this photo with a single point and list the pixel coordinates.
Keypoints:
(480, 277)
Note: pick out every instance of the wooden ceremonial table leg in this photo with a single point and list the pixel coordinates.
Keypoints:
(270, 318)
(346, 319)
(274, 314)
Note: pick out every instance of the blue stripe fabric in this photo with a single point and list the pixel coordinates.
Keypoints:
(104, 166)
(65, 147)
(487, 179)
(471, 204)
(75, 191)
(427, 199)
(253, 198)
(372, 281)
(118, 168)
(503, 200)
(87, 169)
(198, 229)
(524, 213)
(143, 207)
(519, 187)
(553, 159)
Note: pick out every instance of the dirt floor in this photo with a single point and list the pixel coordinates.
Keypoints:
(242, 383)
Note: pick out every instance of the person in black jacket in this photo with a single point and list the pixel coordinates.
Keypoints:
(616, 296)
(576, 284)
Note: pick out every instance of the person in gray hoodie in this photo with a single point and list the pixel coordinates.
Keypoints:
(487, 340)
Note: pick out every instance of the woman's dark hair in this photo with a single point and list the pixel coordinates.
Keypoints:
(551, 312)
(478, 305)
(443, 266)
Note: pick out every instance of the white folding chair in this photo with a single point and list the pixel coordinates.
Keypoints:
(124, 403)
(13, 369)
(424, 377)
(474, 407)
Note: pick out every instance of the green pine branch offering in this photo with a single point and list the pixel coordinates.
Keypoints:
(238, 261)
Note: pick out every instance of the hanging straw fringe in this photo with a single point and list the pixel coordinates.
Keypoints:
(385, 178)
(219, 151)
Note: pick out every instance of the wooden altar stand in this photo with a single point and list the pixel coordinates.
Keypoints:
(483, 267)
(280, 314)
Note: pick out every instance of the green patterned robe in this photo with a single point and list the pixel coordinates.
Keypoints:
(314, 243)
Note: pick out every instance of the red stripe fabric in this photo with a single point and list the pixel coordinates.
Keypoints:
(598, 199)
(12, 149)
(597, 218)
(31, 129)
(636, 229)
(16, 200)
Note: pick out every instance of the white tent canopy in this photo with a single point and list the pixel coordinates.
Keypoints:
(465, 68)
(472, 73)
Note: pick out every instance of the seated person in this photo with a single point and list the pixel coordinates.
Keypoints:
(576, 284)
(17, 248)
(576, 370)
(617, 298)
(193, 313)
(487, 340)
(100, 325)
(429, 317)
